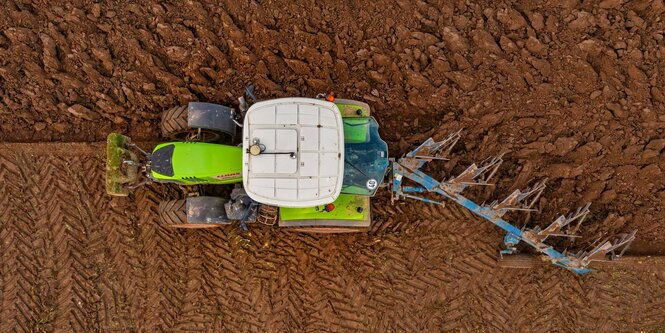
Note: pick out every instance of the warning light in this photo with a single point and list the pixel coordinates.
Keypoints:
(330, 97)
(329, 208)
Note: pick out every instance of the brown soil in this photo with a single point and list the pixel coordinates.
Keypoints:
(571, 91)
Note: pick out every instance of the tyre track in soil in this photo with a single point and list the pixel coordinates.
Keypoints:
(114, 249)
(9, 245)
(75, 260)
(162, 252)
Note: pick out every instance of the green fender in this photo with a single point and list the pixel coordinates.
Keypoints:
(349, 211)
(351, 109)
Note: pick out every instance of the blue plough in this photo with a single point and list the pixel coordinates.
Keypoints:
(408, 167)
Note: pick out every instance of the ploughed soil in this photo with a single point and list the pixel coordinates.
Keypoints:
(572, 91)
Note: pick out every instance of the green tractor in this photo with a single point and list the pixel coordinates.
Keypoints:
(309, 164)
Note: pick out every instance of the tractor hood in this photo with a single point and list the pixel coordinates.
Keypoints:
(195, 161)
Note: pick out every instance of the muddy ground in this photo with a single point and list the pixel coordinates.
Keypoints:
(569, 90)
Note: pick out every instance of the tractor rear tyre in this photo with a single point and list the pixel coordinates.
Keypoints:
(173, 214)
(520, 261)
(174, 126)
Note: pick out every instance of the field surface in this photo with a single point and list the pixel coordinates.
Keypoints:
(569, 90)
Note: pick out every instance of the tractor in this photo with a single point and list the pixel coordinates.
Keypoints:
(312, 165)
(318, 160)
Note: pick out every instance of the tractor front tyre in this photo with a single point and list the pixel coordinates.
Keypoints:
(174, 125)
(173, 214)
(519, 261)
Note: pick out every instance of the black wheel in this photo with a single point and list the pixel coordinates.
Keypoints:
(173, 214)
(174, 126)
(521, 261)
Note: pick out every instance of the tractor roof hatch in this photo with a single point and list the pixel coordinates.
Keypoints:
(293, 152)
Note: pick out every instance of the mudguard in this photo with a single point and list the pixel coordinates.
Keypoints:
(206, 210)
(211, 116)
(352, 109)
(350, 211)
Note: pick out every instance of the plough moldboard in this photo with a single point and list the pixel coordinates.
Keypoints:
(409, 167)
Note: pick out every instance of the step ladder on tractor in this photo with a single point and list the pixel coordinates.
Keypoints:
(312, 165)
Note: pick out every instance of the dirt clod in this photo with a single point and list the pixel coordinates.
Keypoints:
(81, 111)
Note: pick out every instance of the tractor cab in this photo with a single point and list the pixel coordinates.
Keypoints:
(303, 152)
(293, 152)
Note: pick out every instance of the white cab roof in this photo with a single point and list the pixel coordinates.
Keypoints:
(310, 128)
